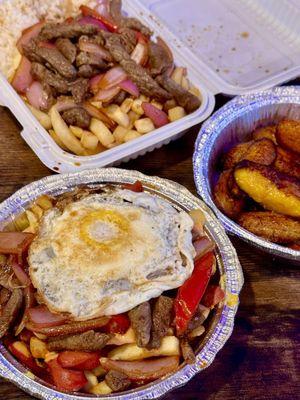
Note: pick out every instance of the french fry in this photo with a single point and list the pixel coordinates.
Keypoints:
(178, 74)
(185, 83)
(51, 355)
(99, 149)
(57, 140)
(126, 105)
(76, 131)
(33, 222)
(63, 132)
(115, 113)
(99, 371)
(127, 337)
(42, 117)
(91, 381)
(194, 90)
(176, 113)
(102, 132)
(38, 348)
(144, 98)
(37, 210)
(119, 133)
(89, 140)
(44, 202)
(137, 106)
(144, 125)
(199, 220)
(21, 222)
(129, 352)
(101, 388)
(130, 135)
(157, 104)
(97, 104)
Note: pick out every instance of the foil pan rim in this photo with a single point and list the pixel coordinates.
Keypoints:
(233, 278)
(208, 133)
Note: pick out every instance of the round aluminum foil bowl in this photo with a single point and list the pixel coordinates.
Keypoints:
(233, 124)
(229, 269)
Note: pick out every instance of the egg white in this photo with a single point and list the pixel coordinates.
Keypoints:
(109, 252)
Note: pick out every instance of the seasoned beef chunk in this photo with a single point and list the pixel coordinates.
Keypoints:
(65, 30)
(87, 71)
(159, 59)
(48, 94)
(84, 58)
(120, 97)
(185, 99)
(77, 117)
(187, 351)
(10, 311)
(117, 381)
(4, 296)
(199, 317)
(128, 38)
(161, 320)
(87, 341)
(67, 48)
(140, 318)
(136, 73)
(80, 89)
(43, 74)
(7, 277)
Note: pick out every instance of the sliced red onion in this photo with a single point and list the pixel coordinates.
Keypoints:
(89, 47)
(102, 8)
(65, 104)
(107, 94)
(112, 78)
(29, 34)
(157, 116)
(96, 113)
(22, 78)
(42, 317)
(23, 278)
(37, 96)
(94, 83)
(92, 21)
(202, 246)
(130, 87)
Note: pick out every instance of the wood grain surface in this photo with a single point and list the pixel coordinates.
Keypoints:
(262, 358)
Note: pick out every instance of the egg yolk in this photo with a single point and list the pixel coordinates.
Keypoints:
(104, 228)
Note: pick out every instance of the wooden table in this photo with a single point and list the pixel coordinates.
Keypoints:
(261, 359)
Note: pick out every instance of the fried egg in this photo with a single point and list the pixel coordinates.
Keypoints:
(109, 252)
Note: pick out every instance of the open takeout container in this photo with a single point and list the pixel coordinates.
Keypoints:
(232, 124)
(228, 268)
(228, 46)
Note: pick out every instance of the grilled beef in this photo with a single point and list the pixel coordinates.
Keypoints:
(87, 341)
(77, 117)
(43, 74)
(4, 296)
(187, 351)
(117, 381)
(87, 71)
(67, 48)
(80, 90)
(184, 98)
(65, 30)
(140, 318)
(128, 38)
(159, 59)
(84, 58)
(161, 320)
(10, 311)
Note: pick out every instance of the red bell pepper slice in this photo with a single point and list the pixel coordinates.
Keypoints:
(89, 12)
(134, 187)
(118, 324)
(212, 296)
(191, 292)
(79, 360)
(66, 379)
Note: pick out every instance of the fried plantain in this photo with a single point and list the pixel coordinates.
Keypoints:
(287, 162)
(273, 190)
(261, 151)
(274, 227)
(228, 204)
(288, 135)
(268, 132)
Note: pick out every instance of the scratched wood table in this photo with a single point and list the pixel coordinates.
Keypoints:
(262, 358)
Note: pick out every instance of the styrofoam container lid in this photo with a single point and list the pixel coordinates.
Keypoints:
(228, 46)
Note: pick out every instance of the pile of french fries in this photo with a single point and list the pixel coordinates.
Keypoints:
(129, 117)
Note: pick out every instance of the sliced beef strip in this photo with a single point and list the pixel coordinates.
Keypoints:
(87, 341)
(42, 74)
(77, 117)
(187, 351)
(84, 58)
(4, 296)
(67, 48)
(87, 71)
(184, 98)
(138, 74)
(128, 37)
(117, 381)
(49, 96)
(80, 90)
(159, 59)
(10, 311)
(119, 98)
(7, 277)
(65, 30)
(161, 320)
(57, 61)
(140, 318)
(199, 317)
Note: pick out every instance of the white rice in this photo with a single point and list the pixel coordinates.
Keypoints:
(16, 15)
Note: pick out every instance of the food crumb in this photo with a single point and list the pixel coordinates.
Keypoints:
(56, 168)
(77, 164)
(233, 49)
(245, 35)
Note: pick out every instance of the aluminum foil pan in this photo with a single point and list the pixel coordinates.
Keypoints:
(228, 267)
(232, 124)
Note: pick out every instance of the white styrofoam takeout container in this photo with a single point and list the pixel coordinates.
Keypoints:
(228, 46)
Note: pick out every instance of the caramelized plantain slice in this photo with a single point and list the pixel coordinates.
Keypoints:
(287, 162)
(273, 190)
(274, 227)
(236, 154)
(228, 204)
(268, 132)
(288, 135)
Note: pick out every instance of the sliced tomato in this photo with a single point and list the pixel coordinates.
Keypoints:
(80, 360)
(89, 12)
(212, 296)
(137, 186)
(66, 379)
(26, 359)
(118, 324)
